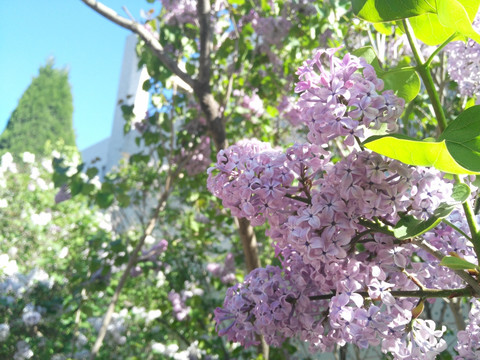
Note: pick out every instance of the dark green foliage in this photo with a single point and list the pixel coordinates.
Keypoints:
(44, 113)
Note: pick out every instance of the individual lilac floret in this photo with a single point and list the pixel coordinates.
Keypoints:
(340, 97)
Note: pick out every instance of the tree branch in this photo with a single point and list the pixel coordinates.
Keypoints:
(461, 273)
(132, 261)
(421, 293)
(203, 12)
(144, 34)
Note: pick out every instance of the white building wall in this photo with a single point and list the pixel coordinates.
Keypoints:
(130, 91)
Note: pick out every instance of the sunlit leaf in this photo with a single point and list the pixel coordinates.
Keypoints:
(462, 139)
(405, 83)
(409, 226)
(452, 14)
(388, 10)
(415, 152)
(456, 263)
(461, 192)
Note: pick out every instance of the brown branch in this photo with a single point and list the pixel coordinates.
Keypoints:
(203, 12)
(210, 107)
(461, 273)
(144, 34)
(249, 242)
(421, 293)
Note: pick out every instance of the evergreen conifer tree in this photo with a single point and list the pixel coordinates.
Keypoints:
(44, 112)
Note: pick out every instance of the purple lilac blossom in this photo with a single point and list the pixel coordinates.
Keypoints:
(180, 310)
(225, 272)
(468, 345)
(316, 211)
(180, 12)
(463, 63)
(338, 100)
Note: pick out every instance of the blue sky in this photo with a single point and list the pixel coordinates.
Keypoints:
(32, 31)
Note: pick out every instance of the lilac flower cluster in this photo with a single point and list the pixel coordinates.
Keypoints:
(468, 345)
(463, 63)
(316, 218)
(252, 104)
(272, 30)
(226, 271)
(197, 156)
(280, 303)
(339, 100)
(116, 329)
(180, 310)
(178, 300)
(289, 110)
(254, 178)
(319, 213)
(179, 12)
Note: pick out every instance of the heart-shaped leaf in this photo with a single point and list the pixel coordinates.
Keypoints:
(420, 153)
(462, 138)
(453, 14)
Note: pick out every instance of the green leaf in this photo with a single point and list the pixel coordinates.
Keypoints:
(76, 186)
(462, 139)
(405, 83)
(460, 192)
(471, 102)
(389, 10)
(104, 199)
(123, 200)
(434, 29)
(147, 85)
(370, 57)
(190, 68)
(384, 28)
(415, 152)
(409, 226)
(427, 28)
(452, 14)
(92, 172)
(443, 210)
(456, 263)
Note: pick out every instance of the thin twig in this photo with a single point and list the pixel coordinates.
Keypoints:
(133, 261)
(144, 34)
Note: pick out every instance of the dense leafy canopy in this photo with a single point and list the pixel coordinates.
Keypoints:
(44, 114)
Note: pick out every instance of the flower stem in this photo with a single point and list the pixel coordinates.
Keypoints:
(438, 49)
(424, 72)
(472, 223)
